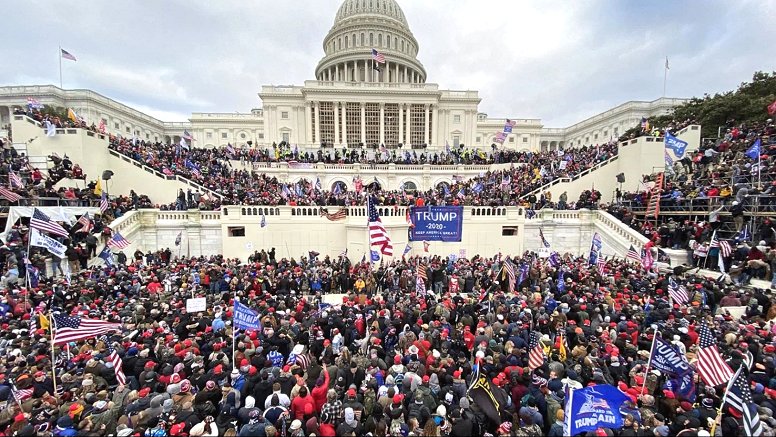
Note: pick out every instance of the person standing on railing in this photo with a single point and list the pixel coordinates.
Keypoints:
(737, 211)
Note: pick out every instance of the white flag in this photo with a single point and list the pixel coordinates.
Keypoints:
(39, 240)
(51, 129)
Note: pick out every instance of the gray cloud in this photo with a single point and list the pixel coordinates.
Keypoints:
(558, 61)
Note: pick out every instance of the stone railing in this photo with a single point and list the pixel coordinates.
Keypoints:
(557, 181)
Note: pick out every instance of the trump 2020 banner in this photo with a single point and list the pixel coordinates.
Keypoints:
(436, 223)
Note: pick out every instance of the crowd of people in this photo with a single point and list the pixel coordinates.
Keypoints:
(212, 169)
(710, 194)
(390, 358)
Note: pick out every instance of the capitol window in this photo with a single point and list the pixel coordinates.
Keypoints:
(261, 136)
(223, 135)
(525, 139)
(362, 38)
(127, 129)
(284, 115)
(115, 125)
(285, 137)
(511, 139)
(242, 135)
(209, 135)
(479, 139)
(456, 118)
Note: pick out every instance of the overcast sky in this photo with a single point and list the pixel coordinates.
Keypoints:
(561, 61)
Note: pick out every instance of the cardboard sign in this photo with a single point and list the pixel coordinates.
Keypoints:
(195, 305)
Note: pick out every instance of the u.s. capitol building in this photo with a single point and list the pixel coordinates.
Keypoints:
(353, 101)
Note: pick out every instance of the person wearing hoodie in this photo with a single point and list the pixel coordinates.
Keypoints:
(155, 410)
(350, 424)
(244, 413)
(255, 426)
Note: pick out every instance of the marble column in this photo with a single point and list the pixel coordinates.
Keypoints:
(317, 123)
(382, 123)
(336, 108)
(401, 122)
(425, 122)
(363, 123)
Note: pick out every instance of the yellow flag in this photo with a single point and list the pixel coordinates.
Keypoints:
(98, 188)
(44, 322)
(71, 115)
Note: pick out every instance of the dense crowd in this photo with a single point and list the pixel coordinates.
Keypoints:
(715, 189)
(389, 358)
(212, 169)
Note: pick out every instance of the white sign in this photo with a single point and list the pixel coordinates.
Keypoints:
(249, 245)
(195, 305)
(544, 252)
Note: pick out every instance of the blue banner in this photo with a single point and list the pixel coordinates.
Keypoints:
(667, 359)
(678, 146)
(436, 223)
(595, 249)
(245, 318)
(593, 407)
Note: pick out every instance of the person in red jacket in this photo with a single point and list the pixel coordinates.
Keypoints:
(319, 392)
(326, 429)
(299, 402)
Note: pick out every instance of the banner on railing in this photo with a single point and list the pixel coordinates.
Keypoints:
(436, 223)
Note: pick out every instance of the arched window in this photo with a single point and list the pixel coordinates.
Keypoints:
(402, 45)
(371, 39)
(379, 39)
(395, 43)
(362, 39)
(355, 41)
(346, 41)
(409, 186)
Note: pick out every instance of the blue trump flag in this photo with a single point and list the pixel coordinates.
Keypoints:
(106, 256)
(375, 256)
(593, 407)
(678, 146)
(245, 318)
(753, 151)
(667, 359)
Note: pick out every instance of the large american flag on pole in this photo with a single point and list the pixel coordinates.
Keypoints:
(510, 270)
(74, 328)
(23, 394)
(42, 222)
(115, 359)
(713, 369)
(633, 255)
(103, 203)
(118, 241)
(85, 222)
(378, 57)
(378, 236)
(724, 246)
(678, 292)
(536, 352)
(14, 179)
(9, 195)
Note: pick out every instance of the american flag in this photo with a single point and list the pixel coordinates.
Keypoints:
(713, 369)
(187, 136)
(378, 236)
(633, 254)
(9, 195)
(339, 215)
(378, 57)
(230, 149)
(42, 222)
(118, 241)
(739, 396)
(115, 359)
(23, 394)
(67, 55)
(85, 222)
(509, 268)
(33, 103)
(677, 291)
(600, 263)
(724, 246)
(67, 328)
(536, 352)
(422, 272)
(103, 203)
(14, 179)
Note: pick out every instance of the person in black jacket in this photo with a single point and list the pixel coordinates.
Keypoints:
(462, 426)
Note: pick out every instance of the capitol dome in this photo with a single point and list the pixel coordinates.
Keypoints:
(359, 27)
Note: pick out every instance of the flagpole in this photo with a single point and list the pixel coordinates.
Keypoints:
(649, 362)
(60, 66)
(52, 326)
(665, 77)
